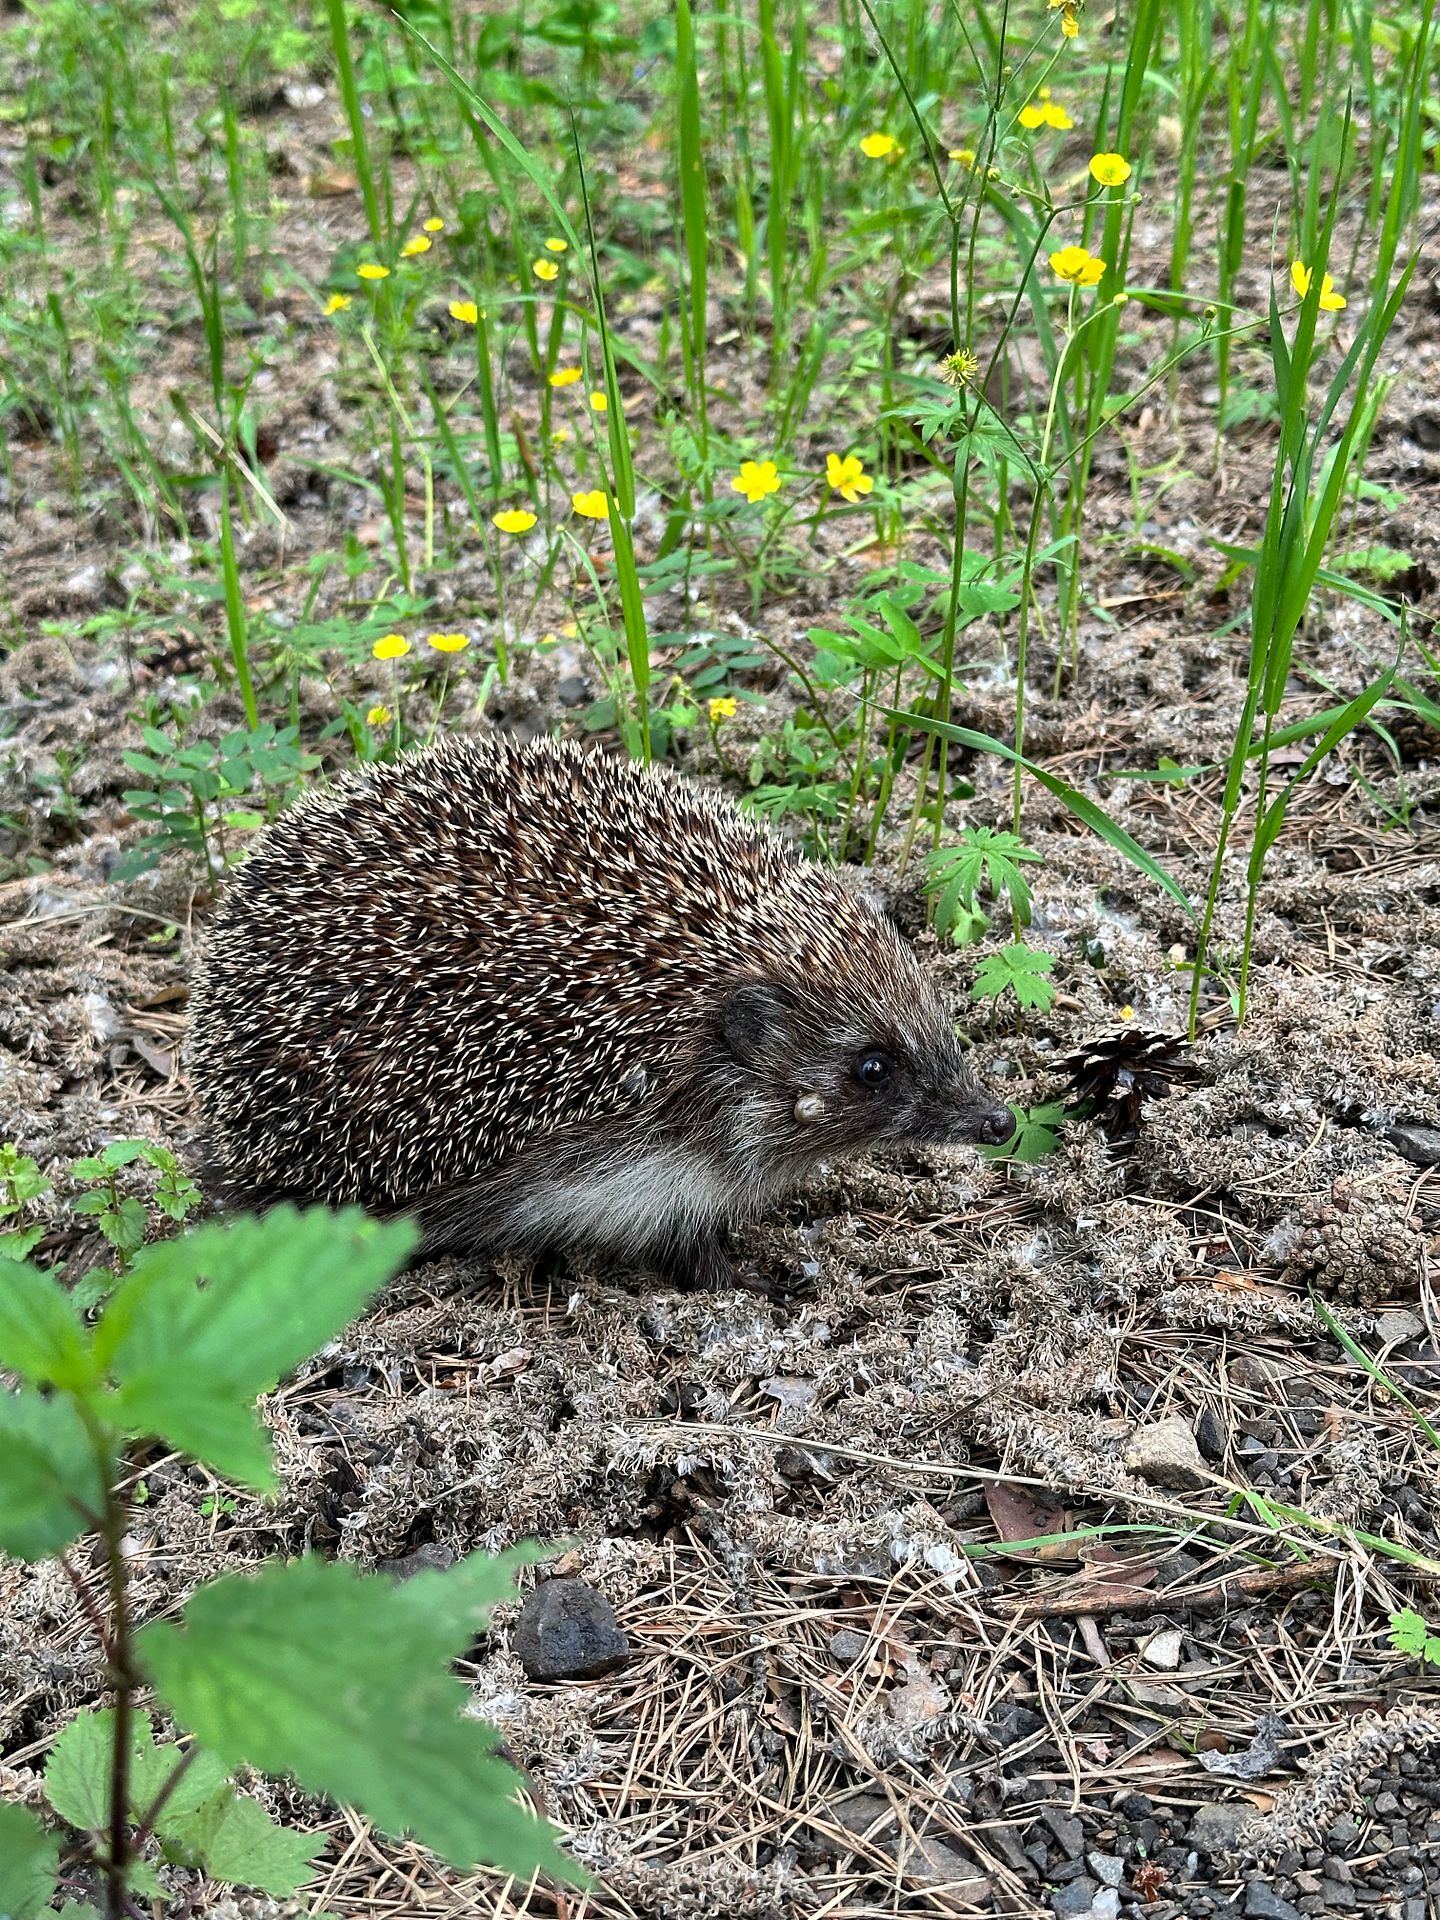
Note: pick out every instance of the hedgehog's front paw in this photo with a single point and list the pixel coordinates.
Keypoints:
(705, 1266)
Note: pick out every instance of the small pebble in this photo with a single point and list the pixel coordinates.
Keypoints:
(567, 1631)
(1162, 1650)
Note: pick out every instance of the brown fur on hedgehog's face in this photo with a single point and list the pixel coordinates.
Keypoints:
(815, 1077)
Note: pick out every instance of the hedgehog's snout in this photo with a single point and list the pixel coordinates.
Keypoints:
(971, 1115)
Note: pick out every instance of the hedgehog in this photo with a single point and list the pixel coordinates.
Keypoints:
(544, 1000)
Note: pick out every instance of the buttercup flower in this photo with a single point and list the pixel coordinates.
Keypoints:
(965, 155)
(1300, 277)
(447, 642)
(877, 146)
(513, 520)
(555, 245)
(756, 479)
(1044, 113)
(371, 270)
(378, 717)
(723, 707)
(599, 402)
(1069, 12)
(434, 226)
(847, 477)
(1110, 169)
(465, 310)
(592, 505)
(959, 369)
(337, 303)
(545, 269)
(1074, 264)
(411, 247)
(390, 646)
(565, 376)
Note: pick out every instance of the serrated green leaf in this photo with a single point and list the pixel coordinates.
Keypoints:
(29, 1863)
(206, 1323)
(1408, 1632)
(342, 1680)
(49, 1480)
(77, 1774)
(239, 1843)
(42, 1337)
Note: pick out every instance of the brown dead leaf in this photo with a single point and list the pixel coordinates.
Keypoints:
(1018, 1513)
(331, 184)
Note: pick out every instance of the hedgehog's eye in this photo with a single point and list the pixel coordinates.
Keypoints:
(873, 1069)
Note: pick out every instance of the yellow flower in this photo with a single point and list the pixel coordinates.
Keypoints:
(847, 477)
(434, 226)
(465, 310)
(592, 505)
(1300, 277)
(390, 646)
(545, 269)
(411, 247)
(723, 707)
(878, 146)
(965, 155)
(1069, 11)
(958, 369)
(755, 480)
(1076, 265)
(599, 402)
(565, 376)
(513, 520)
(555, 245)
(447, 642)
(1045, 113)
(368, 270)
(1110, 169)
(378, 717)
(337, 303)
(559, 436)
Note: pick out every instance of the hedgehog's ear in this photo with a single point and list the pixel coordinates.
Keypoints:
(755, 1017)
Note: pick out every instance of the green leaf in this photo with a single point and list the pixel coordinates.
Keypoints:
(342, 1679)
(77, 1774)
(29, 1863)
(1037, 1133)
(48, 1474)
(42, 1338)
(238, 1842)
(1409, 1632)
(1083, 808)
(1021, 969)
(206, 1323)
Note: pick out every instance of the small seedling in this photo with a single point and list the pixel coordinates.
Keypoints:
(1018, 969)
(21, 1181)
(1410, 1633)
(982, 860)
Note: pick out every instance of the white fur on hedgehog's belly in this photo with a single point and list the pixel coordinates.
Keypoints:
(649, 1198)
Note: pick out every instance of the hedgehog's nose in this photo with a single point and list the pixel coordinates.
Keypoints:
(996, 1127)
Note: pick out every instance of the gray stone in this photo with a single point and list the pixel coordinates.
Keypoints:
(1076, 1899)
(567, 1631)
(427, 1559)
(1166, 1455)
(1419, 1145)
(1162, 1650)
(1108, 1868)
(1263, 1903)
(1210, 1434)
(1214, 1825)
(1066, 1829)
(1395, 1326)
(848, 1646)
(1338, 1896)
(1105, 1905)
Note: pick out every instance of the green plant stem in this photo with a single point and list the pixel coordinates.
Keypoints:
(122, 1679)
